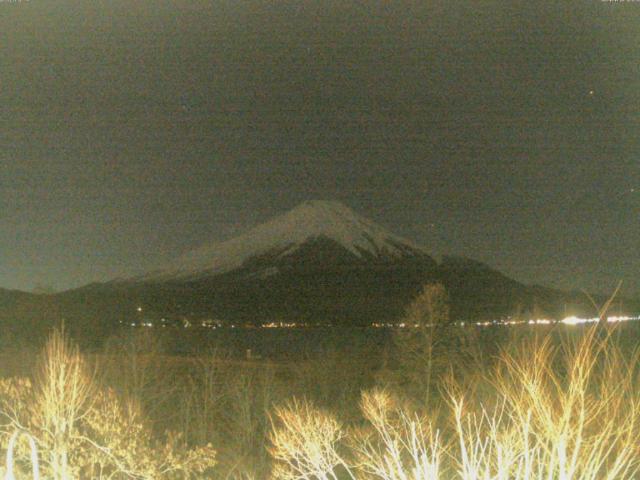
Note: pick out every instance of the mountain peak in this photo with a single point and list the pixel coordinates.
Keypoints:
(331, 212)
(319, 213)
(286, 233)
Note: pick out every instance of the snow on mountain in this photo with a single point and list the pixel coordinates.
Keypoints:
(285, 234)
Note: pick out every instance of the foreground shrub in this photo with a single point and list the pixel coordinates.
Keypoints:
(567, 412)
(83, 431)
(546, 411)
(397, 444)
(306, 443)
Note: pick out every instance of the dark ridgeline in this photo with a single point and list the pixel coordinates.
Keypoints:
(316, 278)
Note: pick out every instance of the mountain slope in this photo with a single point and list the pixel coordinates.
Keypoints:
(318, 263)
(360, 240)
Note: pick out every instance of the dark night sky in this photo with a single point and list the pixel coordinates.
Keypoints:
(507, 131)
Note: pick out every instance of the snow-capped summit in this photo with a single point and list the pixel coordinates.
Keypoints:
(287, 233)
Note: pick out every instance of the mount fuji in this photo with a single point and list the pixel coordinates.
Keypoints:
(319, 263)
(317, 234)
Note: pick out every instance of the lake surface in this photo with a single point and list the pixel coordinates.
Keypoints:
(295, 343)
